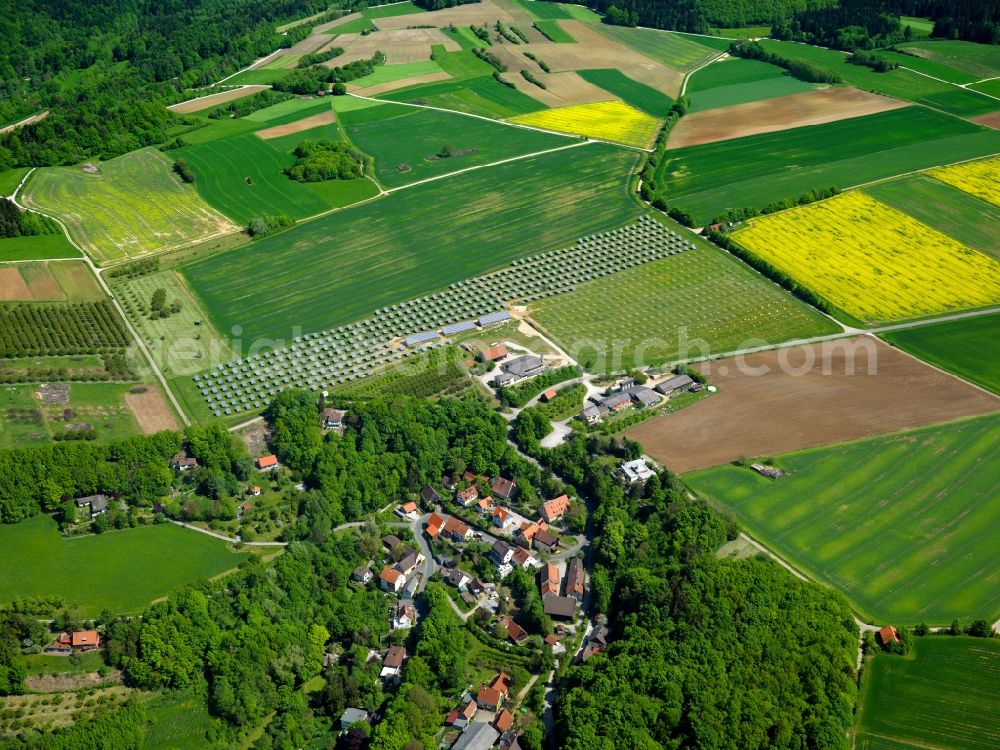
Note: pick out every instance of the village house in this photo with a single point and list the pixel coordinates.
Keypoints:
(545, 541)
(363, 574)
(488, 699)
(503, 721)
(553, 510)
(502, 518)
(391, 542)
(593, 414)
(503, 488)
(352, 716)
(636, 472)
(484, 506)
(456, 530)
(429, 495)
(391, 580)
(549, 585)
(412, 586)
(254, 491)
(96, 504)
(333, 419)
(393, 662)
(560, 607)
(522, 558)
(515, 632)
(183, 462)
(461, 718)
(410, 560)
(527, 532)
(501, 553)
(434, 524)
(494, 353)
(675, 384)
(479, 736)
(266, 463)
(574, 578)
(78, 640)
(406, 509)
(468, 496)
(404, 616)
(457, 578)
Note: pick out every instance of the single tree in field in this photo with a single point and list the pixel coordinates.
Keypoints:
(158, 300)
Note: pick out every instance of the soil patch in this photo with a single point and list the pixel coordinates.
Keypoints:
(760, 413)
(53, 393)
(255, 437)
(399, 45)
(150, 411)
(780, 113)
(991, 120)
(306, 123)
(214, 100)
(47, 683)
(381, 88)
(12, 286)
(561, 88)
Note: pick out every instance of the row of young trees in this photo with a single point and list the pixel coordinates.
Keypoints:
(73, 328)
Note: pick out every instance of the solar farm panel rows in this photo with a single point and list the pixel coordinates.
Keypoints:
(324, 360)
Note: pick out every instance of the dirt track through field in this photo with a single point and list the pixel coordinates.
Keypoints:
(214, 100)
(776, 412)
(150, 411)
(781, 113)
(306, 123)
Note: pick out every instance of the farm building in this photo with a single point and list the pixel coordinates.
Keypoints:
(560, 607)
(888, 635)
(616, 402)
(545, 541)
(479, 736)
(525, 366)
(494, 353)
(548, 395)
(675, 384)
(640, 394)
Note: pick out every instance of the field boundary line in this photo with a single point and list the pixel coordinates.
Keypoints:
(114, 300)
(917, 171)
(508, 123)
(687, 76)
(950, 83)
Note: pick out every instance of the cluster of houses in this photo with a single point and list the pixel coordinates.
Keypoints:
(513, 369)
(629, 394)
(562, 595)
(399, 578)
(79, 641)
(485, 719)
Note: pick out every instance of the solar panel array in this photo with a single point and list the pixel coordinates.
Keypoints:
(326, 359)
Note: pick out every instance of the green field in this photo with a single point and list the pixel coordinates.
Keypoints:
(287, 111)
(543, 10)
(177, 721)
(368, 15)
(944, 694)
(24, 419)
(639, 95)
(554, 31)
(184, 343)
(701, 294)
(473, 141)
(125, 570)
(242, 177)
(477, 96)
(989, 87)
(979, 60)
(922, 25)
(10, 179)
(929, 67)
(755, 170)
(737, 81)
(393, 73)
(967, 348)
(414, 241)
(954, 212)
(135, 205)
(41, 247)
(904, 524)
(673, 50)
(903, 84)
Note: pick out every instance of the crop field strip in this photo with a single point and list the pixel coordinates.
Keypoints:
(945, 693)
(36, 247)
(901, 524)
(774, 166)
(873, 262)
(134, 206)
(672, 49)
(613, 121)
(977, 60)
(632, 92)
(966, 347)
(332, 358)
(413, 241)
(978, 178)
(699, 296)
(473, 141)
(737, 81)
(478, 96)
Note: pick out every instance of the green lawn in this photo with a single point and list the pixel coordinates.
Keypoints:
(10, 179)
(904, 524)
(473, 141)
(967, 348)
(903, 84)
(242, 177)
(971, 221)
(135, 205)
(755, 170)
(52, 663)
(639, 95)
(979, 60)
(674, 50)
(125, 570)
(287, 111)
(737, 81)
(944, 694)
(414, 241)
(700, 294)
(477, 96)
(42, 247)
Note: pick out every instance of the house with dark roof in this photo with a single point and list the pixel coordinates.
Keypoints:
(410, 559)
(640, 394)
(503, 488)
(593, 414)
(501, 553)
(560, 607)
(525, 366)
(429, 495)
(515, 632)
(97, 504)
(479, 736)
(363, 574)
(545, 541)
(616, 402)
(393, 662)
(574, 578)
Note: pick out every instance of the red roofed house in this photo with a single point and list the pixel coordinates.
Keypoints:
(489, 699)
(514, 631)
(462, 717)
(434, 524)
(888, 635)
(523, 558)
(503, 721)
(405, 508)
(494, 353)
(501, 518)
(503, 488)
(265, 463)
(456, 530)
(468, 496)
(501, 683)
(550, 580)
(554, 509)
(549, 395)
(528, 530)
(484, 505)
(85, 640)
(391, 580)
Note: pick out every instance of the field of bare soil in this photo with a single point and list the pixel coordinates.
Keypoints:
(214, 100)
(150, 410)
(306, 123)
(854, 388)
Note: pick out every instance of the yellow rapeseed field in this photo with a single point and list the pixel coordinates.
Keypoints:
(978, 178)
(611, 121)
(873, 261)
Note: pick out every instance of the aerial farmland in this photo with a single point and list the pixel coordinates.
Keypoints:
(471, 373)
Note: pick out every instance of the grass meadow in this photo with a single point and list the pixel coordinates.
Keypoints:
(343, 266)
(904, 524)
(10, 179)
(399, 71)
(39, 247)
(736, 81)
(971, 221)
(966, 347)
(978, 60)
(633, 93)
(400, 161)
(700, 294)
(545, 11)
(134, 206)
(707, 180)
(673, 50)
(873, 262)
(368, 15)
(554, 31)
(944, 694)
(125, 570)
